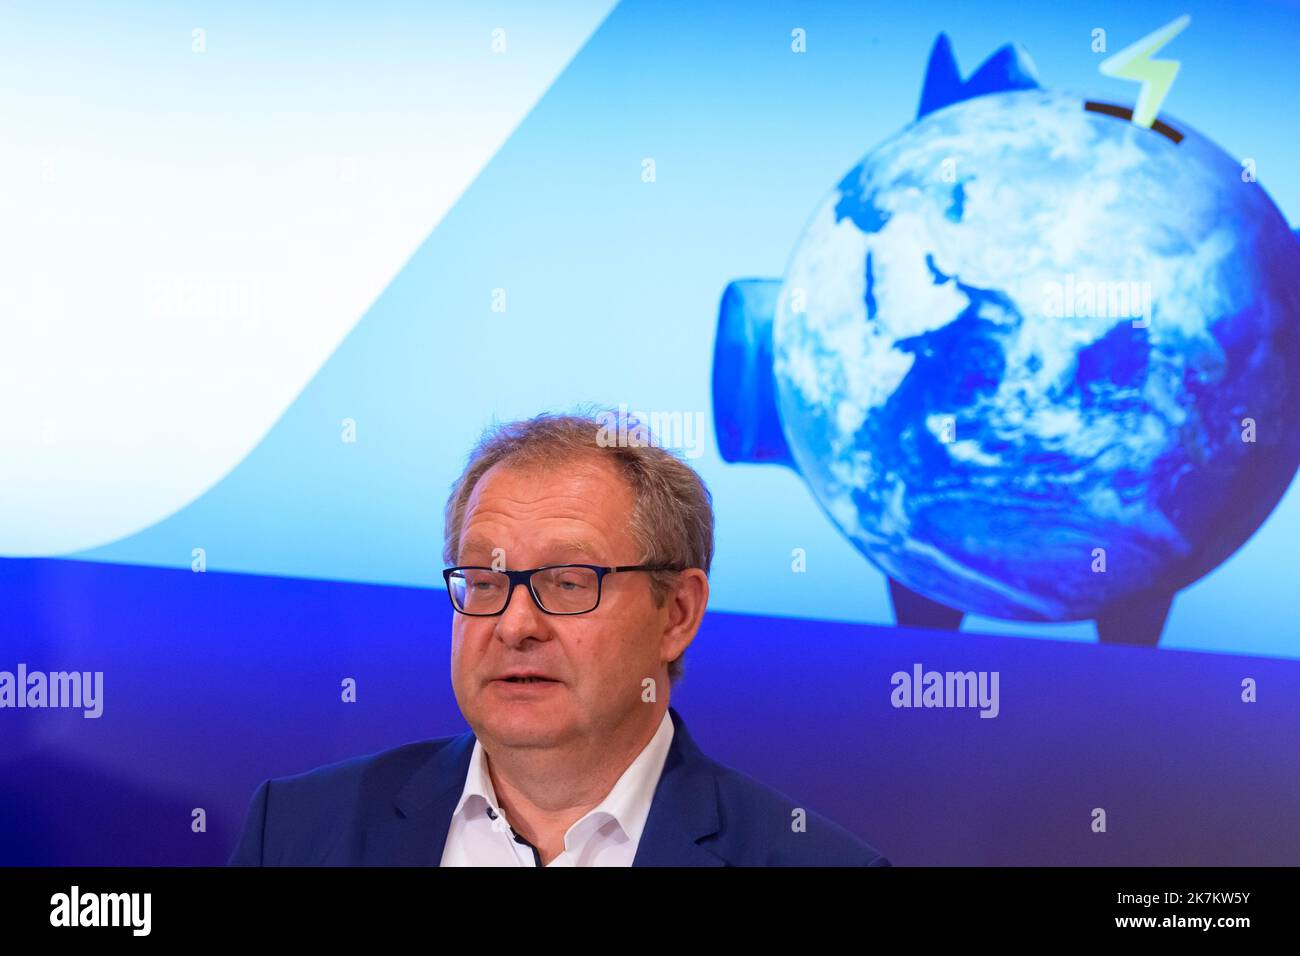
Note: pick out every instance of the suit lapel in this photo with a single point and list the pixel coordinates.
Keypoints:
(683, 812)
(685, 807)
(416, 833)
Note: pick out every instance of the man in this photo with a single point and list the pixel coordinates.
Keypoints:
(578, 579)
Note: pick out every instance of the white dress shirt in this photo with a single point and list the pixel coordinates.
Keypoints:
(608, 835)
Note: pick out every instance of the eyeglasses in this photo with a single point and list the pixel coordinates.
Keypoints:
(556, 588)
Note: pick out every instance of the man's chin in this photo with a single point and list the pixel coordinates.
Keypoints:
(523, 722)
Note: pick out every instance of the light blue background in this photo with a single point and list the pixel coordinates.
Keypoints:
(613, 284)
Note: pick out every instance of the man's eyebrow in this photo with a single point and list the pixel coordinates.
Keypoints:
(570, 546)
(474, 544)
(560, 546)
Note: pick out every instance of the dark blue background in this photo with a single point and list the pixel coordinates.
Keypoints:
(215, 681)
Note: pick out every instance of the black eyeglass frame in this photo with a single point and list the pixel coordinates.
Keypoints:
(525, 578)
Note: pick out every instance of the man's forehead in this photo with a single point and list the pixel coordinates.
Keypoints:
(596, 525)
(587, 481)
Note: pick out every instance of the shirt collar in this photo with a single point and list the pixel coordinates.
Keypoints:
(628, 801)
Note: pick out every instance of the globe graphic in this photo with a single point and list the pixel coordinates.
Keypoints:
(1035, 360)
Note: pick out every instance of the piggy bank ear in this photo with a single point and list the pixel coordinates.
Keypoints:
(745, 417)
(1010, 68)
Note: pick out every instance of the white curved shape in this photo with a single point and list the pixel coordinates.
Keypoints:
(186, 235)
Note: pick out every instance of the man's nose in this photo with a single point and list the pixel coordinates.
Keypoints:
(522, 618)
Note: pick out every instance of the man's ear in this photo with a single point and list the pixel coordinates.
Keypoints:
(686, 600)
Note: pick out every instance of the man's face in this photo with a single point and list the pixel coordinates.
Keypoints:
(575, 514)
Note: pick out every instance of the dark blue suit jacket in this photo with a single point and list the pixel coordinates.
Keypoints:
(394, 808)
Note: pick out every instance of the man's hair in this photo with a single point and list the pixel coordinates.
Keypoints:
(672, 518)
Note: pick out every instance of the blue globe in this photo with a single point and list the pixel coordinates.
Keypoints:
(1035, 360)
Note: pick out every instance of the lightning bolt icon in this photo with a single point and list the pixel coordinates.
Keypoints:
(1156, 76)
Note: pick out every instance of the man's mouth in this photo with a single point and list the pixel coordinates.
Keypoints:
(528, 680)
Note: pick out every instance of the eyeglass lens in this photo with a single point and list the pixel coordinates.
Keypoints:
(562, 590)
